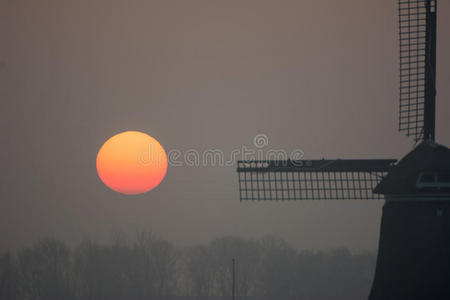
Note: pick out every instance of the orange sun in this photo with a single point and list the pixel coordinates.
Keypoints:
(131, 163)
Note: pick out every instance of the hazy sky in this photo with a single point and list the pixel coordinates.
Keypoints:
(321, 76)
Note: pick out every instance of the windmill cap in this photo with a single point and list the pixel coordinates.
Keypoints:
(424, 170)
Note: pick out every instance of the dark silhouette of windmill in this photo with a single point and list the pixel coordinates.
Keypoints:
(414, 247)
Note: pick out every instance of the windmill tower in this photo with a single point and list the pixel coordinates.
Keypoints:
(414, 247)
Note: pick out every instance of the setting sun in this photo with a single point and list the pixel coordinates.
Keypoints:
(131, 163)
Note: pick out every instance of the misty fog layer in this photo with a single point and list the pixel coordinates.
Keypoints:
(149, 267)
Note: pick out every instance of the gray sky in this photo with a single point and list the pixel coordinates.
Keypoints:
(321, 76)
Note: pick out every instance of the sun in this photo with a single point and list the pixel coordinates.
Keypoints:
(131, 163)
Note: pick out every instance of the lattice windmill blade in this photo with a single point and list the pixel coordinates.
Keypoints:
(311, 179)
(417, 33)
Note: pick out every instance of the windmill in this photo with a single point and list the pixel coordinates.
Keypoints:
(414, 248)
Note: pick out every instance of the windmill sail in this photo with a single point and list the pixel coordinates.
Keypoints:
(417, 33)
(311, 179)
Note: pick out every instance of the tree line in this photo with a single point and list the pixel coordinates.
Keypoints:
(150, 267)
